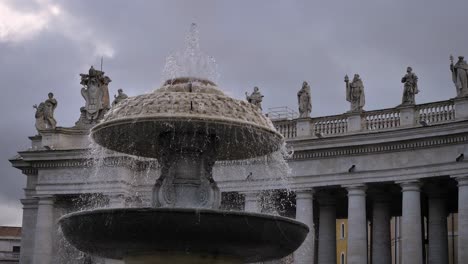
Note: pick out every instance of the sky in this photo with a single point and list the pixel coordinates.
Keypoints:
(272, 44)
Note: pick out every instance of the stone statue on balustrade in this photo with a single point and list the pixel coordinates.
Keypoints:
(119, 97)
(304, 100)
(410, 90)
(45, 113)
(95, 91)
(255, 98)
(355, 93)
(460, 75)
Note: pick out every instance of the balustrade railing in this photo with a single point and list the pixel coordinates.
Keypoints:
(437, 112)
(287, 128)
(372, 121)
(330, 125)
(381, 119)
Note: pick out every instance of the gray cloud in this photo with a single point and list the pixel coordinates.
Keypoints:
(272, 44)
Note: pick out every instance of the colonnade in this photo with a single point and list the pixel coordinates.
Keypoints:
(322, 249)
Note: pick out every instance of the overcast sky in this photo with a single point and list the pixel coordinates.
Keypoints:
(275, 45)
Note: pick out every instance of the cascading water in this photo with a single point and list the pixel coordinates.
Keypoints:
(186, 125)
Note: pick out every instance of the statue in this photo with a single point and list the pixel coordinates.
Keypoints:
(45, 113)
(120, 97)
(410, 81)
(40, 123)
(460, 76)
(355, 93)
(304, 100)
(95, 91)
(255, 98)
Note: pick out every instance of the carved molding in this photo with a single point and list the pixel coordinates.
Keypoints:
(379, 148)
(363, 149)
(29, 171)
(88, 163)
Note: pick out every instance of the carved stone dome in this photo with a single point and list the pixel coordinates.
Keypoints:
(188, 106)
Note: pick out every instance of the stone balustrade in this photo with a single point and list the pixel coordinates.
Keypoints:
(374, 121)
(381, 119)
(437, 112)
(330, 125)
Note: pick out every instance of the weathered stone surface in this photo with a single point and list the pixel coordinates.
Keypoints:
(304, 100)
(255, 98)
(355, 93)
(410, 81)
(460, 75)
(187, 106)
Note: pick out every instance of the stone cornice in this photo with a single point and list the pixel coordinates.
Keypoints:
(383, 147)
(66, 131)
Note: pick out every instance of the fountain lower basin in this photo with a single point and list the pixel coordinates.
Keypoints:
(216, 236)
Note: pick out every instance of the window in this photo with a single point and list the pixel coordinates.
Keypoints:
(342, 259)
(16, 249)
(342, 231)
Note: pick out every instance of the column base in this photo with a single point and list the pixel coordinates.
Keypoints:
(181, 258)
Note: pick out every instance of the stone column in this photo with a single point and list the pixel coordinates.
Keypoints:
(437, 226)
(327, 231)
(305, 213)
(381, 240)
(27, 230)
(411, 223)
(252, 203)
(462, 219)
(45, 228)
(357, 224)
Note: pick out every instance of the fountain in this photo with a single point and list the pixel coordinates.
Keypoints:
(187, 125)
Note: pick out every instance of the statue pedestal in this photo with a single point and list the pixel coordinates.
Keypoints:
(303, 127)
(461, 108)
(407, 116)
(354, 122)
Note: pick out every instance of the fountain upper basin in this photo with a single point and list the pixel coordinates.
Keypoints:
(119, 233)
(183, 109)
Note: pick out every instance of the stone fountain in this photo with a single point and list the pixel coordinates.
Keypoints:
(187, 125)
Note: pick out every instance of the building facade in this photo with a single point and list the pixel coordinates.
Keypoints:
(10, 244)
(395, 175)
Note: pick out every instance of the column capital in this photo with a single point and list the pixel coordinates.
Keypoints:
(305, 193)
(45, 199)
(413, 185)
(29, 203)
(356, 189)
(462, 180)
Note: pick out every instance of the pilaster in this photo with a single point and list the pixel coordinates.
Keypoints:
(461, 108)
(354, 122)
(303, 127)
(407, 115)
(43, 240)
